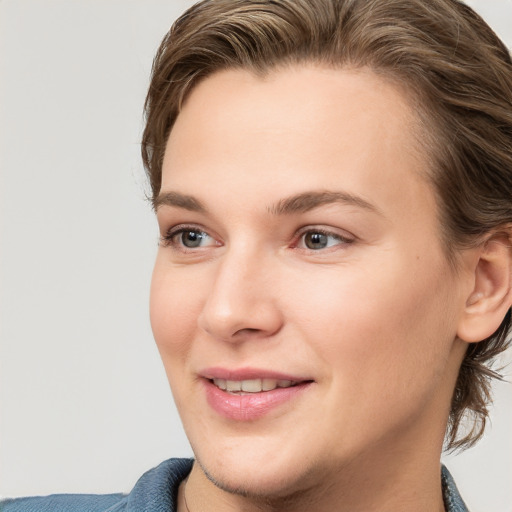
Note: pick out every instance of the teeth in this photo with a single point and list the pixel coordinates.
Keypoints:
(268, 384)
(252, 385)
(233, 385)
(220, 383)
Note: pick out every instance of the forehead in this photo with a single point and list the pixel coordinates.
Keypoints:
(306, 99)
(303, 127)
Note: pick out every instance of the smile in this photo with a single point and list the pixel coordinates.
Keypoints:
(252, 385)
(250, 394)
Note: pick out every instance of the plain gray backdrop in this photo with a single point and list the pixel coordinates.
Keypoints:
(85, 404)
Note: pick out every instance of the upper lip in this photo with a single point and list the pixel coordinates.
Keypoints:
(239, 374)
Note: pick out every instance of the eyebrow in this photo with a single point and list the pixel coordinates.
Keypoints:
(180, 201)
(299, 203)
(307, 201)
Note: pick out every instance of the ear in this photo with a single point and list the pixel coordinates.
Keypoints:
(491, 297)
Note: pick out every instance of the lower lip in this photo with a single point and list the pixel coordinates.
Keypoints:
(250, 406)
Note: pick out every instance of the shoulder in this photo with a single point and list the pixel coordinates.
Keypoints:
(155, 490)
(63, 503)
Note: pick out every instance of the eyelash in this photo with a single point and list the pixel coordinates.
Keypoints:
(169, 239)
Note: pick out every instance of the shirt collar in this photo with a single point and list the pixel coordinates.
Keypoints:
(452, 498)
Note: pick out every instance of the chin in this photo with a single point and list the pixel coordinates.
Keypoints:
(266, 477)
(266, 486)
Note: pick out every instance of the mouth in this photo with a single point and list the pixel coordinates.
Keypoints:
(252, 385)
(248, 395)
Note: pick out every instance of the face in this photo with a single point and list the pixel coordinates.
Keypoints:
(301, 300)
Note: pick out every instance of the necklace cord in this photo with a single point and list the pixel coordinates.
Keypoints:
(185, 497)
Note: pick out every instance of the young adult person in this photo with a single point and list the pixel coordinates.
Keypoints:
(332, 180)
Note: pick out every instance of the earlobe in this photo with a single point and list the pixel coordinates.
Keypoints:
(491, 296)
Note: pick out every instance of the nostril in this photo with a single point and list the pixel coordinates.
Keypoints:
(249, 333)
(247, 330)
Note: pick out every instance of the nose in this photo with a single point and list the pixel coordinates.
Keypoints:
(242, 303)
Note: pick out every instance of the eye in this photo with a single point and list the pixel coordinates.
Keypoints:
(188, 238)
(192, 238)
(317, 239)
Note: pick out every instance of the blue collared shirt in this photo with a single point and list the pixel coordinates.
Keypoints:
(157, 491)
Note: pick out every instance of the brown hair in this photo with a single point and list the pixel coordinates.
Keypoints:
(453, 65)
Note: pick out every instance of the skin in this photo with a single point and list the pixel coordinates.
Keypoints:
(372, 318)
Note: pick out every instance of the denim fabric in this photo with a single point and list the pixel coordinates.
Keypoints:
(157, 491)
(452, 499)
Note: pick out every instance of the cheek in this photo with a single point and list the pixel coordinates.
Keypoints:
(383, 345)
(386, 326)
(174, 309)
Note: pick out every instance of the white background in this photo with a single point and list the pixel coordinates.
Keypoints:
(85, 405)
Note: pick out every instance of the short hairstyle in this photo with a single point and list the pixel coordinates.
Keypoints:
(455, 70)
